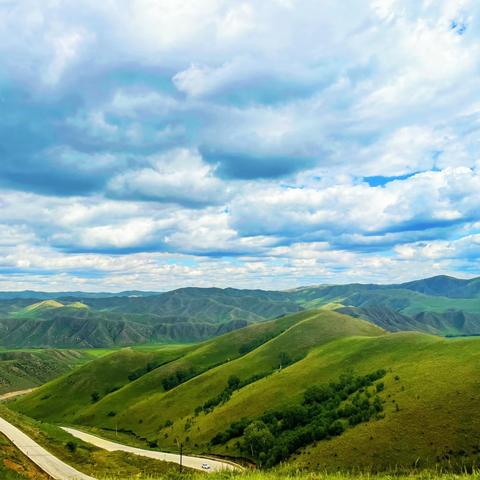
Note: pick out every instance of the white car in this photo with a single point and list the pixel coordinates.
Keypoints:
(205, 466)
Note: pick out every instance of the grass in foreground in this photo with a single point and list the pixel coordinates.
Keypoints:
(80, 455)
(291, 474)
(15, 466)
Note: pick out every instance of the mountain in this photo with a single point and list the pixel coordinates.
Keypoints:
(445, 286)
(440, 305)
(315, 389)
(184, 315)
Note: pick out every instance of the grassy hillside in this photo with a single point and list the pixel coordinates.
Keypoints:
(426, 305)
(20, 370)
(429, 394)
(15, 466)
(292, 474)
(97, 379)
(45, 305)
(110, 375)
(439, 305)
(82, 456)
(184, 315)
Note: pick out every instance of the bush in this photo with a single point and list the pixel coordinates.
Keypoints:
(71, 446)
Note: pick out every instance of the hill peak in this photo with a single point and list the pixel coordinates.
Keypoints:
(46, 304)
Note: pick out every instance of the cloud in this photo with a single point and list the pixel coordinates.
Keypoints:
(268, 144)
(425, 201)
(178, 176)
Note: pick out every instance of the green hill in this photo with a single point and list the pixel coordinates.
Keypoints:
(77, 305)
(41, 306)
(440, 305)
(428, 394)
(20, 370)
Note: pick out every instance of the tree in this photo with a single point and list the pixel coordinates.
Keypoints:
(258, 438)
(72, 446)
(336, 428)
(233, 382)
(318, 394)
(284, 359)
(95, 396)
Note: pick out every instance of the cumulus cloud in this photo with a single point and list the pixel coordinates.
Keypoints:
(272, 143)
(178, 176)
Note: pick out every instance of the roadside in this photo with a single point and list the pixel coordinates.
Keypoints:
(198, 463)
(84, 457)
(38, 455)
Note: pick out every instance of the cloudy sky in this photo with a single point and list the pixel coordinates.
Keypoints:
(154, 144)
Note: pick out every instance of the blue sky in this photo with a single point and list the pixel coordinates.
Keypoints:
(155, 144)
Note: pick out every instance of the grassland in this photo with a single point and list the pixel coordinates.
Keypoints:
(430, 394)
(22, 369)
(293, 474)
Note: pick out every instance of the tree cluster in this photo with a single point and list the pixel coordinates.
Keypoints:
(180, 376)
(233, 383)
(326, 411)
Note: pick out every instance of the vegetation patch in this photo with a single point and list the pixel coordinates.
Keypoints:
(15, 466)
(326, 411)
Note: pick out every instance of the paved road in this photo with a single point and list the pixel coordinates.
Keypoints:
(191, 462)
(45, 460)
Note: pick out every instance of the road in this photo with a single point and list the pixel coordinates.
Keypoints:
(37, 454)
(9, 395)
(187, 461)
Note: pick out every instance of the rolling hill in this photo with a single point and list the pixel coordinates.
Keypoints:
(438, 305)
(239, 383)
(20, 370)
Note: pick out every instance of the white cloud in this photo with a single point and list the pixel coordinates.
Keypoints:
(178, 176)
(162, 124)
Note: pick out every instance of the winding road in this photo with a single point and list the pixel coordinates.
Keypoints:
(38, 455)
(61, 471)
(187, 461)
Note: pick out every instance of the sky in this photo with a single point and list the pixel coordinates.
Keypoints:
(156, 144)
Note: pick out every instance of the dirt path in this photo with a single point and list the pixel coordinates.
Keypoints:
(9, 395)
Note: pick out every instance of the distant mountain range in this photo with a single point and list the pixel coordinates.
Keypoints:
(440, 305)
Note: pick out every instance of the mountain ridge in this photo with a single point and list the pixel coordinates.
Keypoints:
(440, 305)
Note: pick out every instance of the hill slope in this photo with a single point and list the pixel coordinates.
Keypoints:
(429, 393)
(21, 370)
(439, 305)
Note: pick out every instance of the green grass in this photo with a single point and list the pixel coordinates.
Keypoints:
(431, 393)
(102, 376)
(15, 466)
(37, 309)
(86, 458)
(292, 474)
(22, 369)
(71, 394)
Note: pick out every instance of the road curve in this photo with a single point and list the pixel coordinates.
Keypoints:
(187, 461)
(7, 396)
(37, 454)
